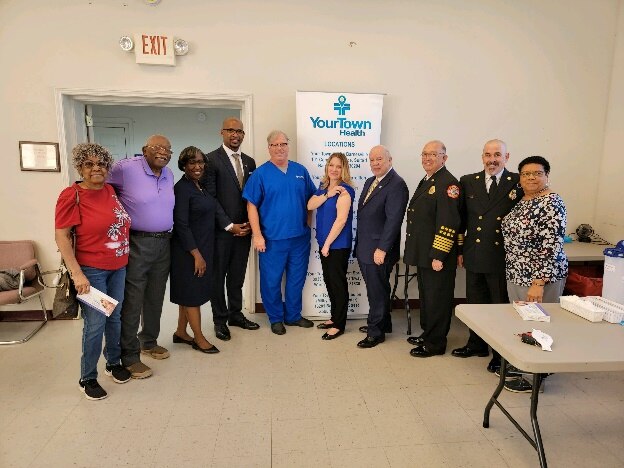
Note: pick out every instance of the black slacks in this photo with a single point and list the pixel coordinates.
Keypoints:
(484, 288)
(436, 291)
(335, 275)
(230, 262)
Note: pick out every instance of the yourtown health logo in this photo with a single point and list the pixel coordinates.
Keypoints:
(346, 126)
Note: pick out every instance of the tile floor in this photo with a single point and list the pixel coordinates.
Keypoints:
(293, 401)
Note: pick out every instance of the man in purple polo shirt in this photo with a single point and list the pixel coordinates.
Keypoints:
(145, 187)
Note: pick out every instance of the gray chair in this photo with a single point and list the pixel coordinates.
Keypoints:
(20, 256)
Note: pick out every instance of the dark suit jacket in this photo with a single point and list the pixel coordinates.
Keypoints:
(221, 182)
(483, 248)
(379, 220)
(433, 222)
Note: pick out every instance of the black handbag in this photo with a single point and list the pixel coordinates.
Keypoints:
(65, 305)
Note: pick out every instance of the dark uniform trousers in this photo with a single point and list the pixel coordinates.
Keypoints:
(436, 305)
(484, 288)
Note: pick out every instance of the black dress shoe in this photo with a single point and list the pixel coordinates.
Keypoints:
(327, 336)
(244, 323)
(278, 328)
(467, 351)
(423, 351)
(494, 366)
(212, 350)
(302, 322)
(416, 340)
(222, 332)
(370, 342)
(364, 329)
(324, 326)
(177, 339)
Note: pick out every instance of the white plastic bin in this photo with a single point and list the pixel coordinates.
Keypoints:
(613, 285)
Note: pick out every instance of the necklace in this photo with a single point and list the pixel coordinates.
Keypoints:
(537, 194)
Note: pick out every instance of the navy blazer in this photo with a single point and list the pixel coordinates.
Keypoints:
(379, 220)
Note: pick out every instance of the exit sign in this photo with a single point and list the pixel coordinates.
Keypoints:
(154, 49)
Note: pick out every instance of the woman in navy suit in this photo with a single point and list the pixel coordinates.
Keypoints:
(192, 247)
(334, 233)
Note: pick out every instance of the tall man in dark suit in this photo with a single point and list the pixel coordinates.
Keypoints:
(432, 225)
(225, 176)
(380, 215)
(487, 196)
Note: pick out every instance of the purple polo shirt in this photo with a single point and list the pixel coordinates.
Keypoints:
(148, 199)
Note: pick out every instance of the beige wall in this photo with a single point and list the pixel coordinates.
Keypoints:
(609, 209)
(537, 73)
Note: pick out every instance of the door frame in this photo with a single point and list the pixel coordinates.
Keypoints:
(70, 117)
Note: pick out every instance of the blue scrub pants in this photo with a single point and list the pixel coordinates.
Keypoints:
(289, 257)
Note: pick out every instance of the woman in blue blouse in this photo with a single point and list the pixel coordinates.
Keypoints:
(533, 231)
(334, 233)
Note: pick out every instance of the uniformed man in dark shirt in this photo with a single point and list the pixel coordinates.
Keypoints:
(486, 197)
(432, 226)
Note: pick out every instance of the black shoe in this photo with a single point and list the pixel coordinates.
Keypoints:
(177, 339)
(364, 329)
(92, 390)
(119, 373)
(493, 366)
(416, 340)
(278, 328)
(327, 336)
(324, 326)
(371, 341)
(467, 351)
(212, 350)
(423, 351)
(222, 332)
(244, 323)
(518, 385)
(302, 322)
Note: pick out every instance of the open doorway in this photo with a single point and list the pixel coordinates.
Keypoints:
(122, 120)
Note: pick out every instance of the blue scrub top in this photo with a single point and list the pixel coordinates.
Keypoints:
(281, 199)
(325, 217)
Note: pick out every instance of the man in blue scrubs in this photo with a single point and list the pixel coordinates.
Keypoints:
(277, 194)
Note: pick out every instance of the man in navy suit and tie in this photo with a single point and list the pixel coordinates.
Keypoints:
(379, 218)
(486, 197)
(225, 176)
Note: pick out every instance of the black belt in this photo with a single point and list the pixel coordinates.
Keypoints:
(165, 234)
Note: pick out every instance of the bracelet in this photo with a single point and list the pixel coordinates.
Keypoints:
(326, 195)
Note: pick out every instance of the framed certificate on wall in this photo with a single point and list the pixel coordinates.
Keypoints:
(39, 156)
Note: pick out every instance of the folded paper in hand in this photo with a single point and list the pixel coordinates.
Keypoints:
(531, 311)
(99, 301)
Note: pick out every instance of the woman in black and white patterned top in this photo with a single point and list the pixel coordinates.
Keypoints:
(535, 262)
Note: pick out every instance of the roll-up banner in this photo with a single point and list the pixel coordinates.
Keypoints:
(327, 123)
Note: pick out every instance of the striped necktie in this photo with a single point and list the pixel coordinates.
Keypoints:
(370, 190)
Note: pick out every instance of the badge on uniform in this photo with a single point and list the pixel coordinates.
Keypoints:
(513, 195)
(453, 191)
(432, 190)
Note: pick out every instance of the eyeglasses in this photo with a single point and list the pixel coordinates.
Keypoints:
(532, 174)
(196, 163)
(160, 149)
(234, 130)
(91, 164)
(278, 145)
(431, 155)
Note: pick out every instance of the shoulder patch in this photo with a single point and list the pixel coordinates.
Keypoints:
(452, 191)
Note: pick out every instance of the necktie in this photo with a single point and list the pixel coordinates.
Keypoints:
(239, 169)
(493, 186)
(370, 190)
